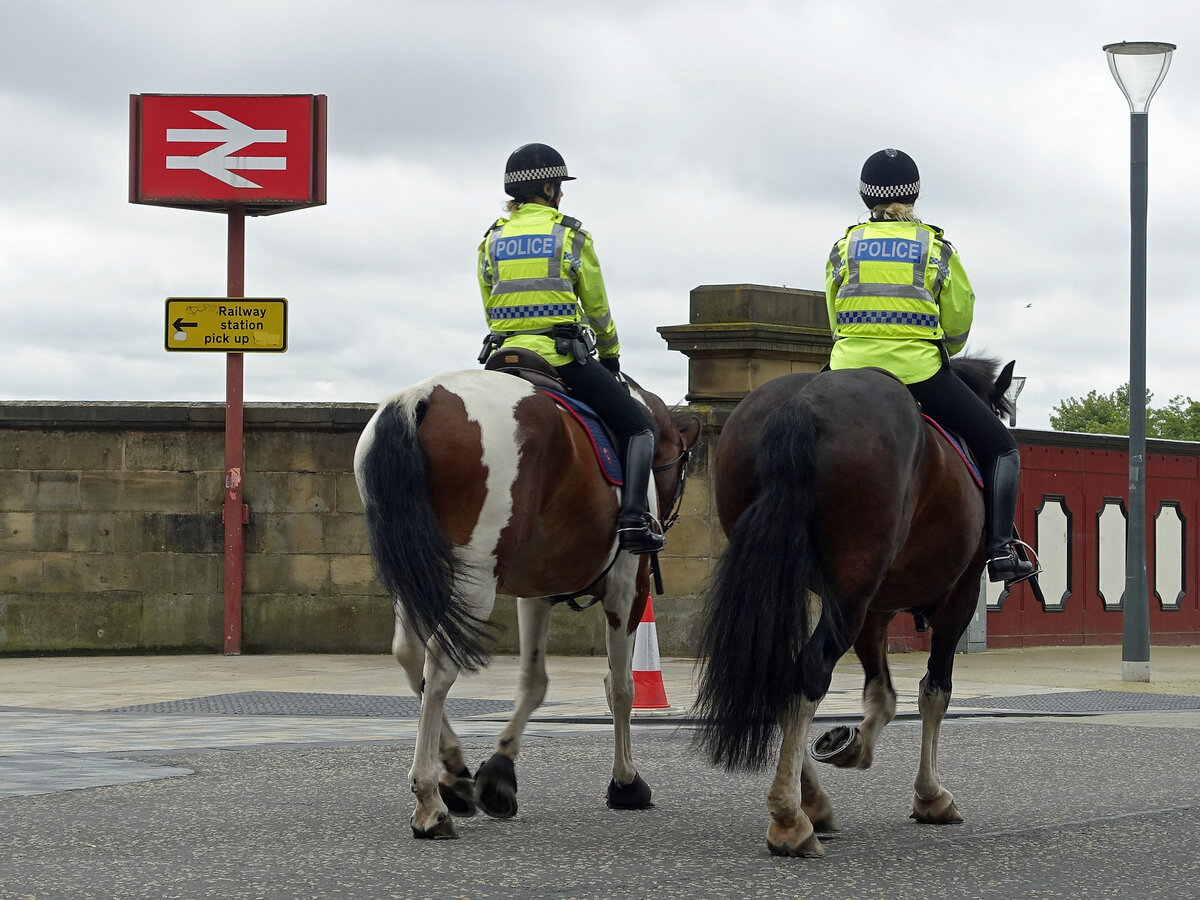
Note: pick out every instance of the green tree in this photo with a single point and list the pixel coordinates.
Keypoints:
(1096, 413)
(1100, 413)
(1179, 420)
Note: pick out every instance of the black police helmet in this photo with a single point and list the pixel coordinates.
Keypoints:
(889, 176)
(532, 165)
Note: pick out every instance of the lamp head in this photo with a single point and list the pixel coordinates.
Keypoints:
(1139, 68)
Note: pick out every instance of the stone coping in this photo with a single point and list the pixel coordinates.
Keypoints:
(74, 415)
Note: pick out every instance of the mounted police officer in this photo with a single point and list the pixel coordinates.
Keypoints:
(899, 300)
(541, 285)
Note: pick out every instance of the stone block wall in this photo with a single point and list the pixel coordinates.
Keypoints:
(111, 536)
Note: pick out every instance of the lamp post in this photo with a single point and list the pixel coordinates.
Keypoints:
(1139, 68)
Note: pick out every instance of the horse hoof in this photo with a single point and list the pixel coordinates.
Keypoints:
(496, 787)
(839, 747)
(459, 795)
(635, 795)
(827, 826)
(441, 830)
(787, 842)
(938, 811)
(819, 811)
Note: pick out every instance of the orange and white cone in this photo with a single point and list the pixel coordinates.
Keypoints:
(648, 689)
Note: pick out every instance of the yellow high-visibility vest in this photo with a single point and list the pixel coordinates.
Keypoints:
(894, 291)
(537, 269)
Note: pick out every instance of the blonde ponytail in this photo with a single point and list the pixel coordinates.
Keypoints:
(894, 212)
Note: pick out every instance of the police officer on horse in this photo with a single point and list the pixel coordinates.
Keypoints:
(543, 291)
(899, 300)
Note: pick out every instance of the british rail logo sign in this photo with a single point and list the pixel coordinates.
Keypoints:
(198, 151)
(228, 325)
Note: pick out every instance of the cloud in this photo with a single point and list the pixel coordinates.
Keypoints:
(717, 145)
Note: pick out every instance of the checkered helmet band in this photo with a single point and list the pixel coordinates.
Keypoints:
(546, 173)
(889, 191)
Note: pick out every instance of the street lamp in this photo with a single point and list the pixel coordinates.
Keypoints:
(1139, 68)
(1018, 385)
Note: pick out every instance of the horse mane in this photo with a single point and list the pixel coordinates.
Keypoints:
(654, 403)
(979, 373)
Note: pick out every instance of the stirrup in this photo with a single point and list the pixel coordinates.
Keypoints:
(1018, 552)
(1025, 552)
(641, 537)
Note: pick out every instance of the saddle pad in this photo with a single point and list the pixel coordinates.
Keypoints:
(606, 454)
(959, 449)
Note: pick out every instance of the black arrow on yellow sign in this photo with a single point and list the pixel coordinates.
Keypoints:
(180, 324)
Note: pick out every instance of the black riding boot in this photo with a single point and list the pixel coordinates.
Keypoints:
(635, 525)
(1003, 563)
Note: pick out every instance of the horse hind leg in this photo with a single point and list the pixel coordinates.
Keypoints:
(792, 831)
(496, 780)
(431, 817)
(455, 784)
(439, 777)
(815, 801)
(932, 803)
(799, 813)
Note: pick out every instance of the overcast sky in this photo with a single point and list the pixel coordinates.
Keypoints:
(714, 143)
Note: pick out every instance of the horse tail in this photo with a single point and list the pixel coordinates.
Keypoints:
(412, 555)
(757, 615)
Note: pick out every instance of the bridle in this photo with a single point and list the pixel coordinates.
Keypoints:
(685, 454)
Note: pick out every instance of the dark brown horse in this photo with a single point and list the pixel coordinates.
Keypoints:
(843, 507)
(476, 482)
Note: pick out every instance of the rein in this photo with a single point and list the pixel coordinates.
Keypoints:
(672, 515)
(685, 454)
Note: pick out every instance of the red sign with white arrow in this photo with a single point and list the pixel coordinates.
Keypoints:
(198, 151)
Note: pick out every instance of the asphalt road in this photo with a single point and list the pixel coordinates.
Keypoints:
(1074, 807)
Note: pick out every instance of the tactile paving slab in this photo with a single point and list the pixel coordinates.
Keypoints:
(288, 703)
(1084, 701)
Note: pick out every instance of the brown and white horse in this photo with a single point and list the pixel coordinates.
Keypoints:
(843, 508)
(476, 482)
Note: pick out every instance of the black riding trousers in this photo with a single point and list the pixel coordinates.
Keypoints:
(595, 385)
(947, 399)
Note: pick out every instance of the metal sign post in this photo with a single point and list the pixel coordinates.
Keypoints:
(241, 155)
(235, 512)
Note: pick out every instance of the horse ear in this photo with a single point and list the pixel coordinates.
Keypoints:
(1004, 379)
(690, 432)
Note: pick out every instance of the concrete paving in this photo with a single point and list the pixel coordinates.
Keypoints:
(284, 777)
(65, 721)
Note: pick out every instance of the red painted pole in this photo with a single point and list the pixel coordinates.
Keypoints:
(234, 536)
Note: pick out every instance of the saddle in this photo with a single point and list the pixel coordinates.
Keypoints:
(531, 367)
(961, 448)
(527, 365)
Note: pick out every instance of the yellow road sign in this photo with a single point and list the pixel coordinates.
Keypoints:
(227, 324)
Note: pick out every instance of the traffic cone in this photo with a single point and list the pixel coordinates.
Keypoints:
(648, 689)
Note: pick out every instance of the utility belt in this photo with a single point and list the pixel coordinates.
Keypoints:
(570, 339)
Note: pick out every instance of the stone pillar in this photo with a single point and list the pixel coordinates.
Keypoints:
(740, 336)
